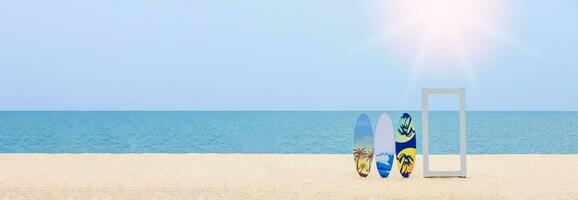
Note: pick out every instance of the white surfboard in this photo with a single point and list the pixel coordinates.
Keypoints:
(384, 145)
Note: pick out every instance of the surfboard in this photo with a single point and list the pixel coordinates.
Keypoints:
(363, 145)
(384, 145)
(405, 144)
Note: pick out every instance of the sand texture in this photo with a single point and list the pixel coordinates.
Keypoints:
(263, 176)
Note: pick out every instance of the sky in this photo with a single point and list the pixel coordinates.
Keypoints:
(284, 55)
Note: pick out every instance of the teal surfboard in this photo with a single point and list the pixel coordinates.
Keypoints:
(363, 145)
(384, 145)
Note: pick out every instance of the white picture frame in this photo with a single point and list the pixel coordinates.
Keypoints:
(460, 93)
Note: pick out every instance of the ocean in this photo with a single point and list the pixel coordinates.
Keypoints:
(276, 132)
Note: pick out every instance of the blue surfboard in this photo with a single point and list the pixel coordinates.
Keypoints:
(363, 145)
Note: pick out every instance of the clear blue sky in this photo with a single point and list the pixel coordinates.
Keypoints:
(260, 55)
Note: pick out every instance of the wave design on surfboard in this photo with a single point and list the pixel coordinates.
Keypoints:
(384, 167)
(405, 145)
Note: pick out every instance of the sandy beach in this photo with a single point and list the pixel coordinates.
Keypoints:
(264, 176)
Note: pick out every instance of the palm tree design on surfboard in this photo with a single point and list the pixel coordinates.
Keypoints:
(405, 145)
(363, 145)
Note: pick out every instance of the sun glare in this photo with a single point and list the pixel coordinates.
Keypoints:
(440, 32)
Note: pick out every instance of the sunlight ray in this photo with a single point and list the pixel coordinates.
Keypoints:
(501, 36)
(466, 63)
(382, 37)
(418, 64)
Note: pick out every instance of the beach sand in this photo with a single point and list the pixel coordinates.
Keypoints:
(266, 176)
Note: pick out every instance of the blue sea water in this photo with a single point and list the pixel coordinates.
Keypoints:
(273, 132)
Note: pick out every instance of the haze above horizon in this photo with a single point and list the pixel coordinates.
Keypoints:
(283, 55)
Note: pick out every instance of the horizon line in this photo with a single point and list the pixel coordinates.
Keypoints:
(280, 110)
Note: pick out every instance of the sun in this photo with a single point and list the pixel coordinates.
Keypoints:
(441, 32)
(445, 40)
